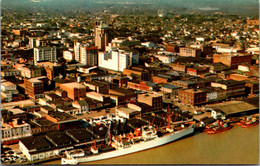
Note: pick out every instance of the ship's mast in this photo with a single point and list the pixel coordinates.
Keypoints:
(109, 136)
(95, 144)
(169, 114)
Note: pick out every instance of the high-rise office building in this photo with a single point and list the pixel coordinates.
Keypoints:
(117, 60)
(44, 54)
(85, 54)
(34, 41)
(88, 55)
(101, 36)
(77, 51)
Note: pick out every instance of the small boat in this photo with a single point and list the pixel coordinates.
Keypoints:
(249, 122)
(219, 128)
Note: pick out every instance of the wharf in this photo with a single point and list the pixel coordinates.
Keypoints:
(236, 108)
(41, 161)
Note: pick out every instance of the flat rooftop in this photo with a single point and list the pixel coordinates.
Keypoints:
(193, 90)
(122, 90)
(127, 110)
(229, 82)
(61, 116)
(7, 83)
(49, 64)
(13, 124)
(79, 134)
(170, 86)
(58, 138)
(52, 95)
(44, 122)
(16, 111)
(37, 142)
(96, 83)
(189, 82)
(233, 107)
(148, 95)
(18, 103)
(93, 93)
(37, 79)
(74, 85)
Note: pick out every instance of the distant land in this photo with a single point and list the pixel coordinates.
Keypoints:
(243, 7)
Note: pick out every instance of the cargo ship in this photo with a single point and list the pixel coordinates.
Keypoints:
(220, 127)
(249, 122)
(142, 138)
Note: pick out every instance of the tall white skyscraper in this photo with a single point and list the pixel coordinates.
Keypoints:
(85, 54)
(88, 55)
(77, 51)
(44, 54)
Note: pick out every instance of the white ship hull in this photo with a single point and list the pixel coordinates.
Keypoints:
(158, 141)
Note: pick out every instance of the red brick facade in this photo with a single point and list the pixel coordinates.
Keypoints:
(141, 86)
(159, 80)
(192, 96)
(74, 92)
(172, 48)
(33, 89)
(144, 74)
(178, 67)
(197, 71)
(189, 52)
(231, 60)
(152, 100)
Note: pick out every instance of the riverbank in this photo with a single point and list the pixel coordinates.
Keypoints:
(235, 146)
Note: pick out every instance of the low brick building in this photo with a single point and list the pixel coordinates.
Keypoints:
(151, 99)
(178, 67)
(252, 87)
(159, 80)
(192, 96)
(11, 132)
(97, 86)
(139, 86)
(42, 125)
(52, 70)
(34, 87)
(74, 90)
(172, 47)
(197, 71)
(169, 89)
(61, 119)
(120, 81)
(232, 60)
(127, 94)
(233, 88)
(189, 51)
(185, 84)
(238, 77)
(142, 73)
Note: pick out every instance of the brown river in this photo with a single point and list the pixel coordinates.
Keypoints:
(235, 146)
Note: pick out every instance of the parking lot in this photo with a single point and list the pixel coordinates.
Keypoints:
(12, 155)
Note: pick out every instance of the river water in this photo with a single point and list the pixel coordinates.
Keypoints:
(235, 146)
